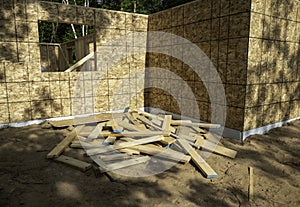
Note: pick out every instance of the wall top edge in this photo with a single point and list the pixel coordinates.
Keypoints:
(96, 9)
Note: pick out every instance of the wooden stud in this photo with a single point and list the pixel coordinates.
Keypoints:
(129, 151)
(167, 123)
(63, 144)
(251, 184)
(80, 62)
(83, 166)
(152, 149)
(95, 133)
(109, 140)
(197, 159)
(131, 134)
(125, 163)
(168, 140)
(124, 145)
(214, 147)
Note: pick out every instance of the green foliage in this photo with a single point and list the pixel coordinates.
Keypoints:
(58, 33)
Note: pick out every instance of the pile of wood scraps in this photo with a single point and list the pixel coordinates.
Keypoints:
(121, 140)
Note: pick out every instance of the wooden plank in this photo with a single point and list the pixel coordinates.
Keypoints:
(203, 125)
(251, 184)
(131, 118)
(129, 151)
(102, 149)
(162, 152)
(168, 141)
(131, 134)
(80, 62)
(131, 127)
(95, 133)
(125, 163)
(148, 114)
(81, 145)
(109, 140)
(180, 122)
(213, 147)
(83, 166)
(59, 148)
(198, 160)
(167, 123)
(114, 157)
(115, 127)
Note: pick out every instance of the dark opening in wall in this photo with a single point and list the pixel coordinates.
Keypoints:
(63, 45)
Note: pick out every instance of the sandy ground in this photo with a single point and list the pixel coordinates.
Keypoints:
(27, 178)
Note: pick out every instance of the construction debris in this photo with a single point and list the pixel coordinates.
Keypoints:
(116, 141)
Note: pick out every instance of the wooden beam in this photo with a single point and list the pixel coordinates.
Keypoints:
(80, 62)
(168, 141)
(163, 153)
(167, 123)
(131, 127)
(198, 160)
(131, 134)
(83, 166)
(251, 184)
(148, 114)
(58, 149)
(110, 148)
(109, 140)
(214, 147)
(203, 125)
(129, 151)
(125, 163)
(95, 133)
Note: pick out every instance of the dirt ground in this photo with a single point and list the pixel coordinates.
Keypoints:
(27, 178)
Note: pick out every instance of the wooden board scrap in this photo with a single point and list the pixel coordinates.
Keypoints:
(198, 160)
(213, 147)
(124, 145)
(58, 149)
(125, 163)
(83, 166)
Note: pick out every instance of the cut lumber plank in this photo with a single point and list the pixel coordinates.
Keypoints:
(59, 148)
(251, 184)
(157, 122)
(80, 62)
(203, 125)
(109, 140)
(152, 149)
(180, 122)
(131, 118)
(162, 152)
(125, 163)
(132, 127)
(129, 151)
(114, 157)
(61, 123)
(132, 134)
(115, 127)
(124, 145)
(213, 147)
(197, 159)
(168, 141)
(83, 166)
(95, 133)
(148, 114)
(167, 123)
(82, 145)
